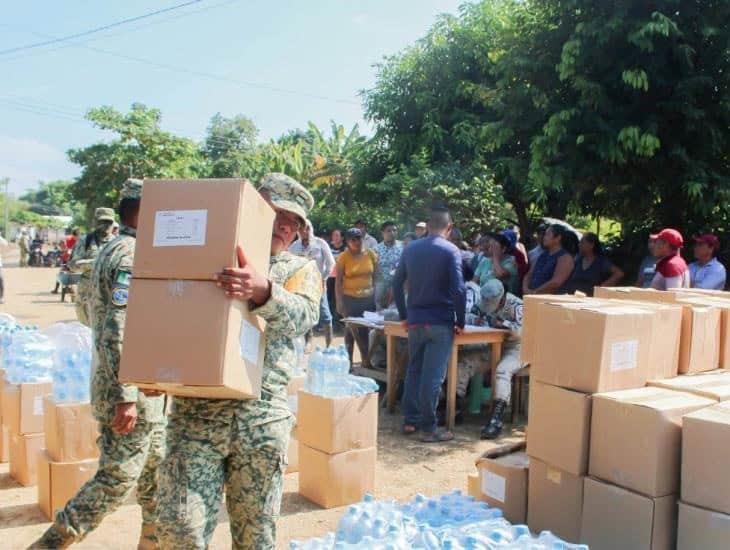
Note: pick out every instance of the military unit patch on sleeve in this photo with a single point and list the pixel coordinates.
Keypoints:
(120, 296)
(123, 278)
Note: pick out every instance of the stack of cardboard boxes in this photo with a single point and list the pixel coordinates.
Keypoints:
(70, 458)
(337, 439)
(4, 432)
(188, 232)
(292, 455)
(22, 416)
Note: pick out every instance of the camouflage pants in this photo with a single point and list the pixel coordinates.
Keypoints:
(126, 462)
(206, 455)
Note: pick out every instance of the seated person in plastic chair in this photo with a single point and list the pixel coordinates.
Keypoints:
(502, 310)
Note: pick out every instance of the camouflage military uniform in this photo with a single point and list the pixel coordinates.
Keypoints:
(239, 444)
(24, 247)
(127, 460)
(82, 261)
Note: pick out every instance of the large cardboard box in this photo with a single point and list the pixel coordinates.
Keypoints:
(607, 347)
(713, 385)
(336, 480)
(700, 529)
(722, 302)
(560, 425)
(187, 338)
(296, 383)
(337, 424)
(699, 348)
(555, 501)
(503, 483)
(189, 229)
(614, 517)
(24, 449)
(473, 486)
(23, 407)
(4, 444)
(71, 431)
(636, 438)
(705, 458)
(528, 343)
(59, 481)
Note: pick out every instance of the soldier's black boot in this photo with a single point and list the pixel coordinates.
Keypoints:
(494, 428)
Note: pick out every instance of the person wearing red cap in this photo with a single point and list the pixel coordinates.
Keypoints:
(671, 269)
(706, 271)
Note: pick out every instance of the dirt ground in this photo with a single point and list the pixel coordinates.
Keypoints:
(405, 466)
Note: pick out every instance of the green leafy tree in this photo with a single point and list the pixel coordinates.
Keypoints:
(53, 198)
(139, 149)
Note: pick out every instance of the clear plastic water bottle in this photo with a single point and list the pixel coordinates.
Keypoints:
(348, 525)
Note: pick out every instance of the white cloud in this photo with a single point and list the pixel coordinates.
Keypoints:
(27, 161)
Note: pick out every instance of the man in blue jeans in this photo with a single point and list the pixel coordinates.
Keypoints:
(435, 312)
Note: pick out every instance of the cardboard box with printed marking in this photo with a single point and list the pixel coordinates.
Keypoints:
(23, 407)
(560, 425)
(225, 358)
(503, 483)
(59, 481)
(614, 517)
(610, 346)
(636, 438)
(700, 529)
(699, 347)
(71, 431)
(713, 385)
(4, 444)
(24, 451)
(336, 480)
(554, 501)
(705, 458)
(337, 424)
(189, 229)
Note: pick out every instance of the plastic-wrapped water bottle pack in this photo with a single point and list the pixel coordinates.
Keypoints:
(28, 357)
(72, 362)
(452, 521)
(328, 375)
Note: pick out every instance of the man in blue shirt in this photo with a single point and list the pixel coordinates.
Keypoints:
(706, 272)
(434, 313)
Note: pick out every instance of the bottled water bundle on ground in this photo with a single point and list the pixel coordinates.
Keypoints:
(27, 357)
(452, 521)
(328, 375)
(72, 362)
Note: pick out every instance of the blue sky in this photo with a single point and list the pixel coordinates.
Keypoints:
(323, 48)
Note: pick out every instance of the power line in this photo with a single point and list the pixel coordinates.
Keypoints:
(97, 29)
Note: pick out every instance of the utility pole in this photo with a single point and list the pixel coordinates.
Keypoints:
(6, 183)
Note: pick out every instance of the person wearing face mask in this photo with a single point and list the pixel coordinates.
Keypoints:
(240, 446)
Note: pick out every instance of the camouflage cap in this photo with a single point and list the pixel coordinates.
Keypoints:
(492, 293)
(104, 215)
(132, 189)
(287, 194)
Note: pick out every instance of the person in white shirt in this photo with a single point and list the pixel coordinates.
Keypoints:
(319, 251)
(706, 271)
(368, 241)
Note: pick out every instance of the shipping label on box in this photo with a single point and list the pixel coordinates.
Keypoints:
(560, 424)
(614, 517)
(555, 501)
(229, 340)
(23, 406)
(700, 529)
(337, 424)
(705, 458)
(636, 438)
(24, 451)
(71, 431)
(58, 482)
(333, 480)
(610, 346)
(189, 229)
(503, 483)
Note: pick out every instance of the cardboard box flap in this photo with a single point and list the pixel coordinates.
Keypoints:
(713, 384)
(656, 398)
(505, 449)
(514, 460)
(716, 414)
